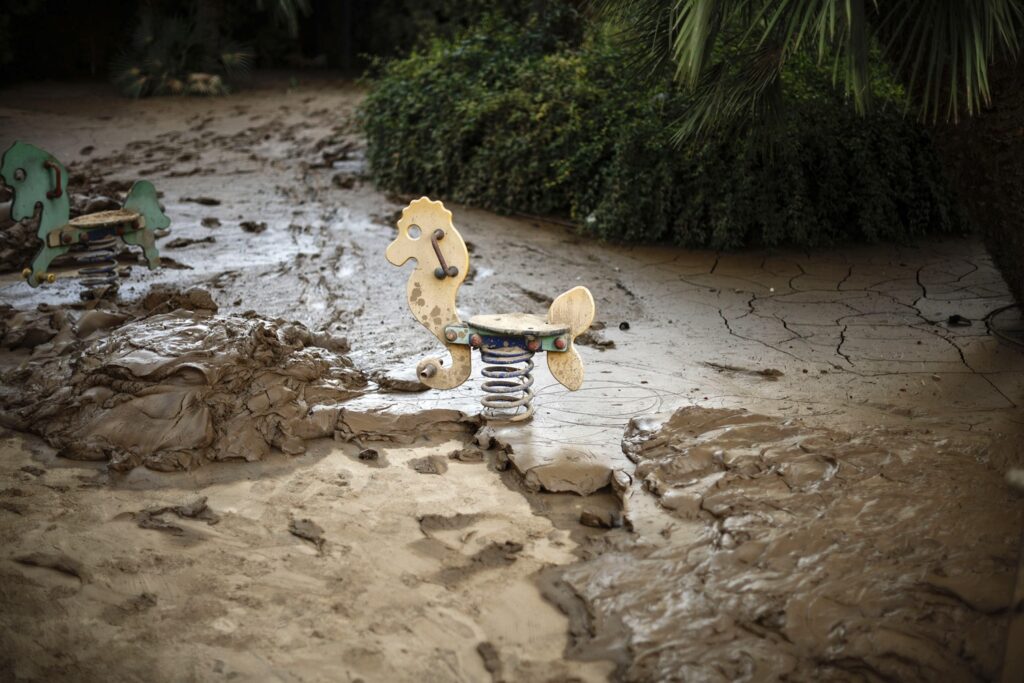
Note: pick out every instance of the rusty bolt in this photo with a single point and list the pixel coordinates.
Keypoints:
(560, 343)
(533, 344)
(450, 335)
(26, 273)
(65, 238)
(83, 237)
(476, 341)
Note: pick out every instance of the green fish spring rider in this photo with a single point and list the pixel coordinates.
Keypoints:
(38, 179)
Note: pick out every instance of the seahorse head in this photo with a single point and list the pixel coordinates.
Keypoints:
(23, 169)
(418, 222)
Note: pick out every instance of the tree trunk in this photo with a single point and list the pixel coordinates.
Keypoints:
(984, 157)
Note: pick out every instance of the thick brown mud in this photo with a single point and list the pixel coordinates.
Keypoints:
(853, 525)
(169, 384)
(790, 552)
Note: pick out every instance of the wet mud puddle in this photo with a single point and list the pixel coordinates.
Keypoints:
(241, 445)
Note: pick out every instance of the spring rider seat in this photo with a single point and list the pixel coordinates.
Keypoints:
(37, 179)
(507, 341)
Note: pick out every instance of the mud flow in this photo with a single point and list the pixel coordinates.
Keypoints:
(789, 552)
(781, 465)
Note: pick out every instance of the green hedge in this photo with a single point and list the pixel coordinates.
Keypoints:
(515, 121)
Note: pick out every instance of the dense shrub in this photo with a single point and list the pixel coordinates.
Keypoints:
(511, 120)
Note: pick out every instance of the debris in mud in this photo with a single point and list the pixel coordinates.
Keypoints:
(594, 340)
(623, 326)
(600, 519)
(493, 555)
(18, 242)
(403, 379)
(152, 518)
(164, 299)
(802, 553)
(432, 523)
(492, 663)
(308, 530)
(181, 242)
(372, 457)
(957, 320)
(430, 464)
(137, 604)
(57, 561)
(10, 506)
(205, 201)
(253, 226)
(141, 384)
(467, 454)
(345, 181)
(770, 374)
(93, 184)
(536, 297)
(84, 204)
(331, 152)
(210, 222)
(173, 264)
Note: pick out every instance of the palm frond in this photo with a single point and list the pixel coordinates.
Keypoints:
(944, 48)
(730, 53)
(286, 12)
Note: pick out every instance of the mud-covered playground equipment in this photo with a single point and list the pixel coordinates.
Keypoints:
(507, 341)
(39, 181)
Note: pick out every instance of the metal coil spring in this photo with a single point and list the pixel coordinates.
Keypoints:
(509, 388)
(99, 263)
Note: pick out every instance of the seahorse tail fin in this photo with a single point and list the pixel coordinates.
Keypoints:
(142, 199)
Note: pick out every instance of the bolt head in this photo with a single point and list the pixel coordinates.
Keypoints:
(560, 343)
(533, 344)
(65, 238)
(26, 273)
(476, 340)
(450, 335)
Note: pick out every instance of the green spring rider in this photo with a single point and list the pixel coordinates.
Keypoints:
(38, 179)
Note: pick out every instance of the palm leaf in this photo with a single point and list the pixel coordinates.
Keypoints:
(731, 53)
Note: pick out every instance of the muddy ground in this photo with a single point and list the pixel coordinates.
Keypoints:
(801, 456)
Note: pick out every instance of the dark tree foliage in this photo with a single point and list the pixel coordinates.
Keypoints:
(514, 117)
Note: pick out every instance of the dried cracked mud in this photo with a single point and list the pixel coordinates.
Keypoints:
(782, 465)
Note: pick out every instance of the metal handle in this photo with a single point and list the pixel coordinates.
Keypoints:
(55, 193)
(445, 270)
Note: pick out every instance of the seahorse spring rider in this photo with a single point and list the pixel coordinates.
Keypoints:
(507, 341)
(38, 179)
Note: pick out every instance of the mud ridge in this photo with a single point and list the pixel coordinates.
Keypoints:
(168, 383)
(790, 552)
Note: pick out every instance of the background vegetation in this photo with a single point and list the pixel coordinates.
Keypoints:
(528, 105)
(549, 115)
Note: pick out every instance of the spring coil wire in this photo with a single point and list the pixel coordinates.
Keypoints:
(98, 263)
(508, 389)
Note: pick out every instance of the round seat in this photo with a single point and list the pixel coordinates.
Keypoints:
(104, 219)
(517, 324)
